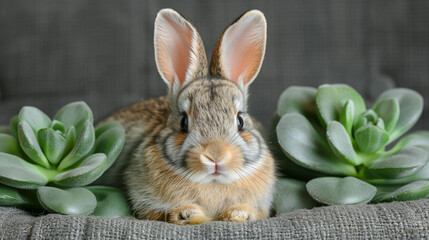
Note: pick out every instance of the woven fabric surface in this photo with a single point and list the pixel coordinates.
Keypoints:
(397, 220)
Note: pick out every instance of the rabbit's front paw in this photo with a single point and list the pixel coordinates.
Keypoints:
(239, 213)
(188, 214)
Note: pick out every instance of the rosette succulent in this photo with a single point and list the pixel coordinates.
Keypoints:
(351, 154)
(46, 163)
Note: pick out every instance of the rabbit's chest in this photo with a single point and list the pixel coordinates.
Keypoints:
(215, 198)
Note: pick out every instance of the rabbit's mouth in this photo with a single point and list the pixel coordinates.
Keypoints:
(215, 167)
(217, 171)
(215, 161)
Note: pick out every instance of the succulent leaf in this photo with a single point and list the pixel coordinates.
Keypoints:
(388, 110)
(30, 145)
(73, 201)
(410, 105)
(422, 174)
(417, 139)
(8, 144)
(110, 141)
(284, 164)
(18, 173)
(371, 138)
(12, 197)
(291, 169)
(359, 123)
(106, 127)
(411, 191)
(14, 126)
(331, 99)
(75, 114)
(111, 202)
(70, 139)
(340, 142)
(380, 123)
(52, 144)
(83, 146)
(291, 195)
(297, 100)
(347, 116)
(85, 173)
(58, 126)
(371, 177)
(34, 117)
(370, 115)
(404, 163)
(334, 190)
(301, 143)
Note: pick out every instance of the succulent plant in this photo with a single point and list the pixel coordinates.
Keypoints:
(47, 163)
(350, 154)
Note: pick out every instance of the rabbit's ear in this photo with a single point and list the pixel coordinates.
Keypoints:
(240, 50)
(179, 50)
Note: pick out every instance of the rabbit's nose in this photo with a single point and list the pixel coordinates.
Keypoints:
(216, 151)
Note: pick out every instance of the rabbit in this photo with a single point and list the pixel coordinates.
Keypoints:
(194, 155)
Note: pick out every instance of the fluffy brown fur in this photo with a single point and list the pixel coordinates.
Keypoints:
(213, 169)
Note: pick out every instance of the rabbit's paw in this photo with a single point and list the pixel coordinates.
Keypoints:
(239, 213)
(188, 214)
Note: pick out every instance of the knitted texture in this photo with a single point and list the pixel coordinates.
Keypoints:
(397, 220)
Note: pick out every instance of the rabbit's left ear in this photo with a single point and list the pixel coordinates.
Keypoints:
(179, 51)
(240, 50)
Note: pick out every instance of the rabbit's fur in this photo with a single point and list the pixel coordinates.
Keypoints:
(211, 169)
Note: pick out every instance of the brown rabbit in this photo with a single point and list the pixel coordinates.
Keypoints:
(195, 156)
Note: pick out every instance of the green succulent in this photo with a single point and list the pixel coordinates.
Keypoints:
(350, 154)
(47, 163)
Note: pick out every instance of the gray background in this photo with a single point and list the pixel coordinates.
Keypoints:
(53, 52)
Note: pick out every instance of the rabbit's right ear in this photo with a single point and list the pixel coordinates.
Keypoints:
(240, 50)
(179, 50)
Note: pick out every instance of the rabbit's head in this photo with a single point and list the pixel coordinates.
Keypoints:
(210, 136)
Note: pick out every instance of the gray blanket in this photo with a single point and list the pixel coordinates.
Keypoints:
(398, 220)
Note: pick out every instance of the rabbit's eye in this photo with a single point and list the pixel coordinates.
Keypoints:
(184, 123)
(240, 123)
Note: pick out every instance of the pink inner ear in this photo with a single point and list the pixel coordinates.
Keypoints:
(243, 50)
(245, 61)
(174, 47)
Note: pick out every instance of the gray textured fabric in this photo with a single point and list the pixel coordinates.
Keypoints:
(56, 51)
(398, 220)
